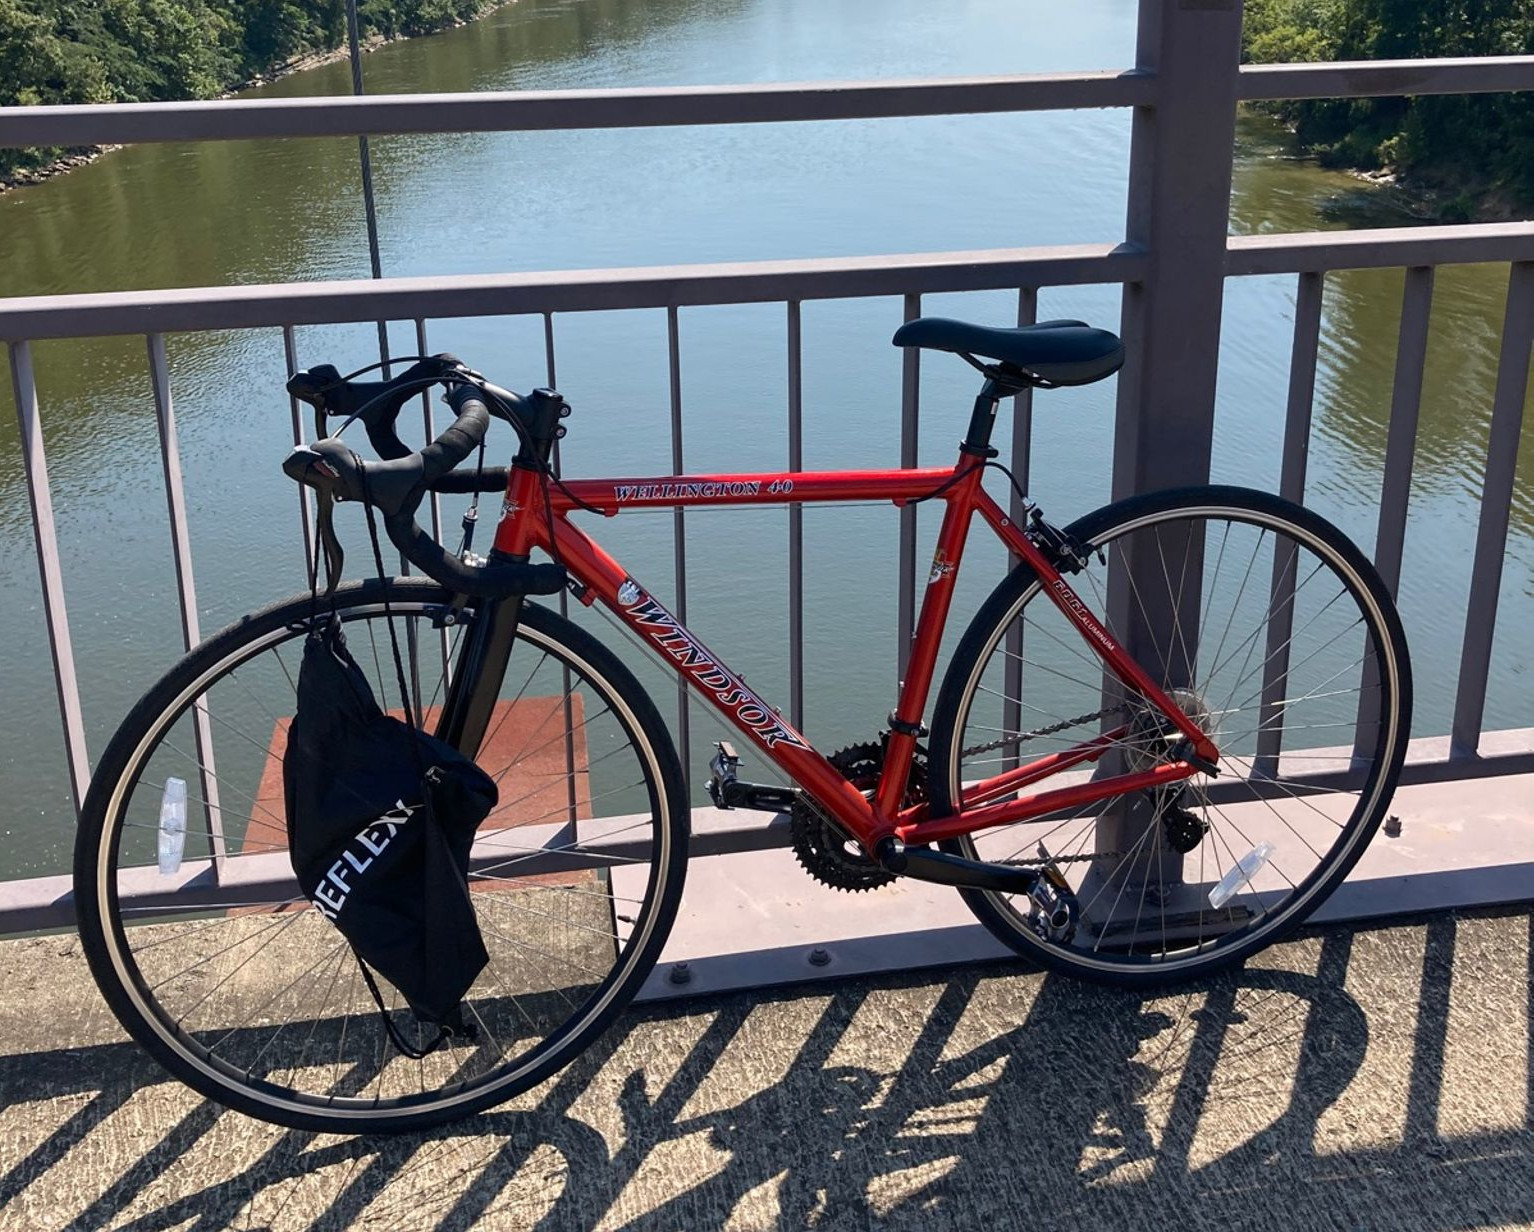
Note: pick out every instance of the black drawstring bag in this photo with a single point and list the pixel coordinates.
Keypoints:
(381, 817)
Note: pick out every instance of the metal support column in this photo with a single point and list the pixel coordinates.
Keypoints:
(1179, 212)
(1179, 209)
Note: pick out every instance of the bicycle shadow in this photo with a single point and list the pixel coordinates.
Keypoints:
(984, 1096)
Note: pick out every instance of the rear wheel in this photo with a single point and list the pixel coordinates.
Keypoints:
(1274, 633)
(249, 995)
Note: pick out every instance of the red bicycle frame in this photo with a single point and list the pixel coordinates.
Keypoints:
(526, 523)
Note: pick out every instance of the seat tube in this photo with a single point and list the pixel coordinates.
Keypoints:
(905, 721)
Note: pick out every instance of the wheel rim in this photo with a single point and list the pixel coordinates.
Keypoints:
(266, 1002)
(1201, 588)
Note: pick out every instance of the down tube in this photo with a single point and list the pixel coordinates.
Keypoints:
(606, 581)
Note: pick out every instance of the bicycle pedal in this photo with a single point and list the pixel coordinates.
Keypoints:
(727, 791)
(723, 772)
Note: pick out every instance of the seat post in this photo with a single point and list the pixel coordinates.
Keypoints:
(977, 441)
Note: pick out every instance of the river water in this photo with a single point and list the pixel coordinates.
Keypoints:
(221, 213)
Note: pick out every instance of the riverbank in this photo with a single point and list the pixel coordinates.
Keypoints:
(1414, 197)
(70, 159)
(1458, 158)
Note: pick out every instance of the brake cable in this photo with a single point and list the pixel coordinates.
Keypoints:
(421, 382)
(471, 514)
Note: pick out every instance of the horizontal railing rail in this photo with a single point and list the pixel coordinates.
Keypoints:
(540, 110)
(772, 103)
(1385, 78)
(467, 295)
(1299, 252)
(192, 309)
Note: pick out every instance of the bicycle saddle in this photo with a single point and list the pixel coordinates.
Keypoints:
(1056, 352)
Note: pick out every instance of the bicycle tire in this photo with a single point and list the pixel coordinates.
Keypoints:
(1125, 960)
(118, 966)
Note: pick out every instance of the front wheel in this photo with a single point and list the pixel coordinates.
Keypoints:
(215, 962)
(1273, 632)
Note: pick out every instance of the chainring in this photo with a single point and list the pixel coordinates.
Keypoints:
(825, 851)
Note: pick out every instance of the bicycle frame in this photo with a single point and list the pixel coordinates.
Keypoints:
(536, 516)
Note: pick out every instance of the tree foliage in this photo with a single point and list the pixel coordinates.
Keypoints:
(94, 51)
(1467, 146)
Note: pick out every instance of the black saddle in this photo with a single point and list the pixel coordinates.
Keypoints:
(1054, 352)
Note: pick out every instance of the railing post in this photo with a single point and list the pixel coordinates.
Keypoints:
(1179, 212)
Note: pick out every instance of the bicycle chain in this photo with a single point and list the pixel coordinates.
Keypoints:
(1081, 859)
(1051, 730)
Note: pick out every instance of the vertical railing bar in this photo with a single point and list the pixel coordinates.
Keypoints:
(186, 589)
(305, 509)
(1303, 354)
(428, 425)
(1405, 406)
(429, 428)
(910, 405)
(1496, 507)
(572, 800)
(39, 496)
(1020, 461)
(678, 528)
(1395, 487)
(365, 162)
(795, 521)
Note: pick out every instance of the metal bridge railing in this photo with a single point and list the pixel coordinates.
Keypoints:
(1173, 262)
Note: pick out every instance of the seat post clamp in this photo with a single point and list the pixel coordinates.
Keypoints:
(906, 729)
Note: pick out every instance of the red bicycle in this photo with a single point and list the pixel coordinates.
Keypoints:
(1166, 736)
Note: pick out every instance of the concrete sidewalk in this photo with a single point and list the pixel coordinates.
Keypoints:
(1358, 1078)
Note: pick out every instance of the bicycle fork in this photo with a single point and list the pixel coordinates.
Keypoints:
(480, 667)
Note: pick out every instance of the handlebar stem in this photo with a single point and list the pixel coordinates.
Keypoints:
(541, 412)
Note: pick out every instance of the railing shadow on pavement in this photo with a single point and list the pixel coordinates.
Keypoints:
(977, 1098)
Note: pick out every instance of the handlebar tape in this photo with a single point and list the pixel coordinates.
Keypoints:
(396, 485)
(376, 403)
(489, 581)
